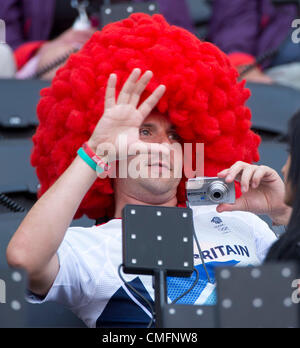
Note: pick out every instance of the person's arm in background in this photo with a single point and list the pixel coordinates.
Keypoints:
(27, 27)
(50, 52)
(234, 28)
(63, 45)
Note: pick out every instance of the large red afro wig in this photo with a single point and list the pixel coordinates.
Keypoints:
(203, 99)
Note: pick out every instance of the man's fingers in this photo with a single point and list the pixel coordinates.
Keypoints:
(234, 172)
(259, 174)
(129, 87)
(140, 87)
(223, 173)
(249, 175)
(110, 95)
(132, 91)
(150, 103)
(246, 177)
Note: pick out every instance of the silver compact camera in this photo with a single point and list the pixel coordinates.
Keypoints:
(209, 191)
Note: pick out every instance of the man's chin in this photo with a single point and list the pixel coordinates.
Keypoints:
(160, 185)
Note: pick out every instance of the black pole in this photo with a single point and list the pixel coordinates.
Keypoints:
(160, 292)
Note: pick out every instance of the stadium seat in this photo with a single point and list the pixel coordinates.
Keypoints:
(18, 102)
(45, 315)
(113, 12)
(17, 174)
(200, 12)
(13, 305)
(273, 154)
(272, 106)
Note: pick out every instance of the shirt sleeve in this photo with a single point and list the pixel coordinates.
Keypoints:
(264, 237)
(73, 285)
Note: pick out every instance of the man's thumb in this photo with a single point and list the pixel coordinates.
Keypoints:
(228, 207)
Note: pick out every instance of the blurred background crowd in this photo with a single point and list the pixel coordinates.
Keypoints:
(256, 31)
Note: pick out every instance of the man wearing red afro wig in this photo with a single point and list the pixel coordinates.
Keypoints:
(156, 84)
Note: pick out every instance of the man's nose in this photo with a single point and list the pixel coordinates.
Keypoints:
(163, 138)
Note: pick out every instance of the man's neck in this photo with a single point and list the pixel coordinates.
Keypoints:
(124, 199)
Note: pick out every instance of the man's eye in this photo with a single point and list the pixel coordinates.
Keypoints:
(174, 136)
(144, 132)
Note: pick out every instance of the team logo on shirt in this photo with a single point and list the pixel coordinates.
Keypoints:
(216, 220)
(219, 225)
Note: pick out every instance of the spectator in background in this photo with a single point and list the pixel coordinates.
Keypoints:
(265, 193)
(287, 248)
(40, 32)
(247, 30)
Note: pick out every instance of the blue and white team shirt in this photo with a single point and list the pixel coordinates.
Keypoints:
(88, 282)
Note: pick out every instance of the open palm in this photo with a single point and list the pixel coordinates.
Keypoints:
(122, 116)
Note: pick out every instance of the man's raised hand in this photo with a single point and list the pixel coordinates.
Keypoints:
(122, 116)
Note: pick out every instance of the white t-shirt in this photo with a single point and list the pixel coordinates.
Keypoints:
(88, 282)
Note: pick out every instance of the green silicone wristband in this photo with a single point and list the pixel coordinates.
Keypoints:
(81, 153)
(99, 170)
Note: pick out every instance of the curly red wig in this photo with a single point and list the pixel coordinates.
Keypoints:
(203, 99)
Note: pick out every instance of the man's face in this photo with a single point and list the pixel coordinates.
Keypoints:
(159, 175)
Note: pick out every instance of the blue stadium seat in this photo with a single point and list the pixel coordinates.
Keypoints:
(113, 12)
(17, 174)
(272, 106)
(273, 154)
(45, 315)
(18, 102)
(200, 12)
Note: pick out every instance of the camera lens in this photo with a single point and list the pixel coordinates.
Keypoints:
(217, 195)
(217, 191)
